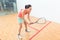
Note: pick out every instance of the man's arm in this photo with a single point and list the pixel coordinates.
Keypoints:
(29, 16)
(23, 16)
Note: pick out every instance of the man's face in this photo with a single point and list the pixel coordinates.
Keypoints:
(29, 9)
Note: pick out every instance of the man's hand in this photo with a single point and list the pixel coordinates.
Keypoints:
(31, 23)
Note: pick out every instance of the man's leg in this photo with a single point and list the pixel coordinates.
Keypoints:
(20, 21)
(26, 29)
(20, 27)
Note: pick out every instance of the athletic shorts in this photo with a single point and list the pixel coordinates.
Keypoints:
(20, 20)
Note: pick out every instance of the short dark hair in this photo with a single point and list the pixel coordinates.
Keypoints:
(27, 6)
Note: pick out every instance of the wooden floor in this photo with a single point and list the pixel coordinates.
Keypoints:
(9, 29)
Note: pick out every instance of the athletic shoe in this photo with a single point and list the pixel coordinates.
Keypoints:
(27, 30)
(19, 36)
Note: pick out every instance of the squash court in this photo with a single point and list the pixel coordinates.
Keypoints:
(9, 29)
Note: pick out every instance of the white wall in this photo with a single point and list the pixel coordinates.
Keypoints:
(49, 9)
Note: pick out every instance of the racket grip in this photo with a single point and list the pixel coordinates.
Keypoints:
(31, 23)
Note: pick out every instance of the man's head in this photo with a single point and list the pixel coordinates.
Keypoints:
(28, 7)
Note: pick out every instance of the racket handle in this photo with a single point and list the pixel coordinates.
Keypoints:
(31, 23)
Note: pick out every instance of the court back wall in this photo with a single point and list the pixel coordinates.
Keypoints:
(49, 9)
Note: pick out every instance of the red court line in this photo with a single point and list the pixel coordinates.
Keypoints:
(39, 31)
(34, 28)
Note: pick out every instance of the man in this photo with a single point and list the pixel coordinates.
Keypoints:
(21, 19)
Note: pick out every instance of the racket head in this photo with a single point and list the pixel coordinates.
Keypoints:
(41, 20)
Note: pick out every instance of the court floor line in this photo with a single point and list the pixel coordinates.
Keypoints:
(39, 31)
(33, 28)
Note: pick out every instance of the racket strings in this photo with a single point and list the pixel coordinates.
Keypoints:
(41, 20)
